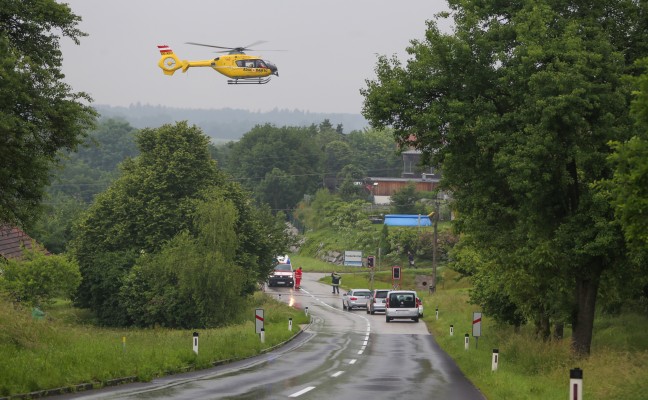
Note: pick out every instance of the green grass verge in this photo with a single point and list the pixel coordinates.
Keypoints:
(54, 352)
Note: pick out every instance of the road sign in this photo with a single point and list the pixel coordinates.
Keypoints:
(259, 319)
(476, 324)
(396, 273)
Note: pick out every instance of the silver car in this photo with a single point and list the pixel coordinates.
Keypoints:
(355, 298)
(402, 304)
(377, 301)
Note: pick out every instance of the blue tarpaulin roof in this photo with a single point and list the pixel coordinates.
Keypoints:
(407, 220)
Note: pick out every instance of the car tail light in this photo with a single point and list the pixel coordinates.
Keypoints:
(353, 298)
(387, 303)
(418, 302)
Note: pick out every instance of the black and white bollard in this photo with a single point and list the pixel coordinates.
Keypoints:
(576, 384)
(306, 310)
(262, 334)
(290, 324)
(195, 342)
(451, 330)
(495, 360)
(437, 313)
(467, 341)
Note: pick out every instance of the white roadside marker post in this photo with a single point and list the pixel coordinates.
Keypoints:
(576, 384)
(495, 362)
(195, 342)
(467, 341)
(290, 324)
(451, 330)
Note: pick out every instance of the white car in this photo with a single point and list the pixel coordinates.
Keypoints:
(402, 304)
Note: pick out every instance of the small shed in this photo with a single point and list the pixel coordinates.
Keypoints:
(407, 220)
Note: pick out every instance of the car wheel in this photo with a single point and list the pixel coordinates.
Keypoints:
(387, 319)
(373, 312)
(349, 308)
(343, 306)
(416, 319)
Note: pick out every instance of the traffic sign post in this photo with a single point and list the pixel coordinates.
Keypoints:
(259, 320)
(476, 326)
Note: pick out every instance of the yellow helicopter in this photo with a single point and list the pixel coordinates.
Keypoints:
(236, 65)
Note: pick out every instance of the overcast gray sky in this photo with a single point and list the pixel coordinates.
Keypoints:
(330, 45)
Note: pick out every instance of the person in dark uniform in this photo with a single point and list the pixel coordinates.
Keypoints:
(335, 282)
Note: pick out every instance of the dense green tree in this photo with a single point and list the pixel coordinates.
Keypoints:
(155, 199)
(337, 155)
(518, 105)
(110, 143)
(192, 281)
(288, 149)
(149, 204)
(40, 115)
(277, 189)
(404, 200)
(630, 182)
(375, 151)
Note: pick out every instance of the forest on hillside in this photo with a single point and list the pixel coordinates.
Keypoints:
(226, 124)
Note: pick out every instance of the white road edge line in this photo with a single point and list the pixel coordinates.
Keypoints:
(306, 390)
(335, 375)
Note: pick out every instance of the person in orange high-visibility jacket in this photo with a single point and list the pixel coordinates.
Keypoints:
(298, 277)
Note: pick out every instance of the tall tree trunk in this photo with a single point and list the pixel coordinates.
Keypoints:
(559, 329)
(583, 317)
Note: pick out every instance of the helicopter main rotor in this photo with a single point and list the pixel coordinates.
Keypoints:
(232, 50)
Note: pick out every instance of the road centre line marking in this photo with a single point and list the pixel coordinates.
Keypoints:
(360, 352)
(364, 344)
(335, 375)
(305, 390)
(352, 361)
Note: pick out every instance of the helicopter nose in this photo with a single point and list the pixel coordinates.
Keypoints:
(273, 68)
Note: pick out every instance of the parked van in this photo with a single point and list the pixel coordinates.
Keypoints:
(401, 304)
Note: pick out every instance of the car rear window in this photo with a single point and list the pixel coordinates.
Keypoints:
(381, 295)
(362, 294)
(402, 300)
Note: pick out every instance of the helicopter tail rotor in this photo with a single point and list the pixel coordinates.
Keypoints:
(169, 62)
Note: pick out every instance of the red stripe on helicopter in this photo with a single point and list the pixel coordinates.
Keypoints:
(164, 49)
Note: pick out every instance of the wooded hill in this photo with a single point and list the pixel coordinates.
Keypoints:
(226, 124)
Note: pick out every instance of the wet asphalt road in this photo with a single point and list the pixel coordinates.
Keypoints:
(340, 355)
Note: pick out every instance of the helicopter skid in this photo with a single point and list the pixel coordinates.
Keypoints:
(248, 81)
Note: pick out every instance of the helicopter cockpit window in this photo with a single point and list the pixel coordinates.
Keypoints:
(261, 64)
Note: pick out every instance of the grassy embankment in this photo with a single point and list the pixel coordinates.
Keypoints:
(529, 368)
(62, 351)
